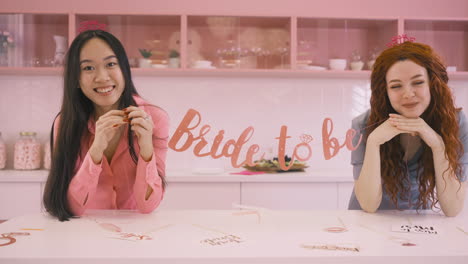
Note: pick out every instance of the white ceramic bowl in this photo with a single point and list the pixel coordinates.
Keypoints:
(159, 66)
(315, 68)
(202, 63)
(337, 64)
(356, 65)
(204, 67)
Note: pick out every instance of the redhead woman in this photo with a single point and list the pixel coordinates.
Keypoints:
(414, 153)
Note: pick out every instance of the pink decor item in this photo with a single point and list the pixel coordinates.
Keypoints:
(400, 39)
(27, 152)
(91, 25)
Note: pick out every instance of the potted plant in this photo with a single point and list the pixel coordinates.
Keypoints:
(145, 62)
(174, 58)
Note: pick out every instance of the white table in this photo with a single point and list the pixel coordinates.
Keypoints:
(274, 237)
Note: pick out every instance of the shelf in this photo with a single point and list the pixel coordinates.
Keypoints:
(240, 42)
(31, 71)
(307, 176)
(160, 34)
(202, 72)
(253, 73)
(33, 36)
(327, 74)
(449, 38)
(233, 45)
(320, 39)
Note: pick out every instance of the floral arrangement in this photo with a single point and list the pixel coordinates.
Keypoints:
(6, 40)
(272, 166)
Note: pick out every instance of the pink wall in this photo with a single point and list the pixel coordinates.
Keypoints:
(230, 103)
(325, 8)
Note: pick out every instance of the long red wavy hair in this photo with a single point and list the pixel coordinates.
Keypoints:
(441, 115)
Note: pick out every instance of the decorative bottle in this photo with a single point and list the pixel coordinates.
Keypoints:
(47, 155)
(27, 152)
(60, 49)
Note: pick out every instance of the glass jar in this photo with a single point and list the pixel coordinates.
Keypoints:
(27, 152)
(2, 152)
(47, 155)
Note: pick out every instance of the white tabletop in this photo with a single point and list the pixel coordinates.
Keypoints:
(267, 237)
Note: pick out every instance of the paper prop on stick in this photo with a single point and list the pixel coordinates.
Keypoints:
(415, 229)
(399, 240)
(338, 228)
(11, 237)
(340, 247)
(226, 238)
(117, 232)
(249, 210)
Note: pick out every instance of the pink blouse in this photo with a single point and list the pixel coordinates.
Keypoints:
(120, 183)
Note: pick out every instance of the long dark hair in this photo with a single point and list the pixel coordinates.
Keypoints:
(74, 114)
(440, 115)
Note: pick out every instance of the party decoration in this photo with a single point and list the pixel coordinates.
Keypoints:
(400, 39)
(343, 247)
(185, 136)
(91, 25)
(10, 237)
(416, 229)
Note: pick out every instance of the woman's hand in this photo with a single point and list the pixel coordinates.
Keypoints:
(417, 127)
(142, 125)
(384, 132)
(107, 126)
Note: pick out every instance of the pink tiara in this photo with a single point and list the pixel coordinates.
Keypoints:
(400, 39)
(91, 25)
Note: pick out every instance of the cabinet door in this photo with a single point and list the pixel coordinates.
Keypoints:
(36, 40)
(290, 196)
(42, 195)
(19, 198)
(205, 195)
(344, 193)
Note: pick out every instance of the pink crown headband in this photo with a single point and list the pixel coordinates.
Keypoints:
(400, 39)
(91, 25)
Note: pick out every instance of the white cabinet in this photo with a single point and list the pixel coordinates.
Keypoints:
(201, 195)
(290, 196)
(19, 198)
(21, 192)
(344, 193)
